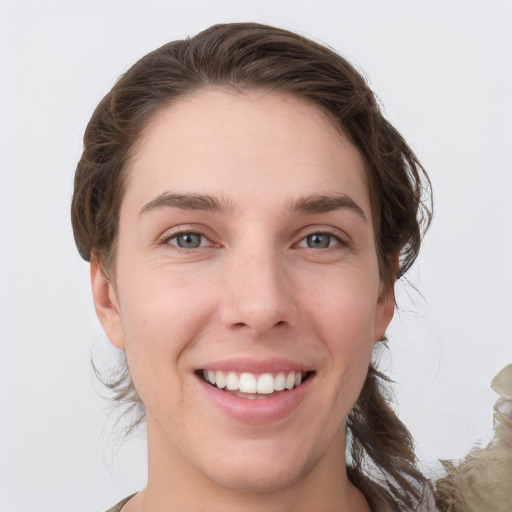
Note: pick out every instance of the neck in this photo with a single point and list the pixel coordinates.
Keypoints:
(175, 484)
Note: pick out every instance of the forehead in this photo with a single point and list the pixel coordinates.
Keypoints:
(253, 142)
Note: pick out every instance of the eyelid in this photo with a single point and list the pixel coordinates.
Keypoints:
(171, 233)
(342, 238)
(339, 235)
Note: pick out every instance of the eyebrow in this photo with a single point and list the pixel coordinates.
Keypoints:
(307, 204)
(326, 203)
(189, 202)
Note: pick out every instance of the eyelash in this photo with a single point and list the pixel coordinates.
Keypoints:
(332, 236)
(166, 241)
(329, 233)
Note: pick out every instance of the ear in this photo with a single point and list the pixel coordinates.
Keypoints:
(386, 302)
(106, 304)
(385, 311)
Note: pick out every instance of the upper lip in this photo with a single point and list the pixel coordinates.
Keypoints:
(257, 366)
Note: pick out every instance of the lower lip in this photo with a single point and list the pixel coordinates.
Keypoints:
(261, 410)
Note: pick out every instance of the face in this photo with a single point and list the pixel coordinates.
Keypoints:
(246, 290)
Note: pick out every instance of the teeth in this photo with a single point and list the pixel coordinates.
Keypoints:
(290, 381)
(247, 383)
(264, 384)
(280, 382)
(232, 381)
(220, 380)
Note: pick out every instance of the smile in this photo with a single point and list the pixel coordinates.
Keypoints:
(256, 392)
(249, 385)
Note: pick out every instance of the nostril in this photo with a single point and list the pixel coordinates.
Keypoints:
(242, 325)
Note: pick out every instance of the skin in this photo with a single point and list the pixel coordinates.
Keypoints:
(255, 288)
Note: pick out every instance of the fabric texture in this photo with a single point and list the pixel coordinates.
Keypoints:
(482, 481)
(120, 505)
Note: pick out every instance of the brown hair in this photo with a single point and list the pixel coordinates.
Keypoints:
(248, 56)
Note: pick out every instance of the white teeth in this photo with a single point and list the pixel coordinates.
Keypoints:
(280, 382)
(247, 383)
(232, 381)
(220, 380)
(290, 381)
(264, 384)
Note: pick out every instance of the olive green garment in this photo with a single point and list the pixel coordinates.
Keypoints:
(119, 506)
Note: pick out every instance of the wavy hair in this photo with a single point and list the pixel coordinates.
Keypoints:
(245, 56)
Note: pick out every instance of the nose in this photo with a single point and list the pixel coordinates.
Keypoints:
(259, 293)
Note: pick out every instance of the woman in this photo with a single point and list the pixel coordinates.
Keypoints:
(246, 210)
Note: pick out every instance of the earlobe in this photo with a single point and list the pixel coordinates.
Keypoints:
(385, 311)
(106, 304)
(386, 300)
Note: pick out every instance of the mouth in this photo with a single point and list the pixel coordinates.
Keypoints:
(254, 386)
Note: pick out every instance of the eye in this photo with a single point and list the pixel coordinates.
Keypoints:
(188, 240)
(319, 241)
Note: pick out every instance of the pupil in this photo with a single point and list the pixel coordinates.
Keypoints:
(189, 240)
(319, 241)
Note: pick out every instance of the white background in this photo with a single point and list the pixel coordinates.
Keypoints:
(442, 69)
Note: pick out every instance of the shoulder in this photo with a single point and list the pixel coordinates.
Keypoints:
(119, 506)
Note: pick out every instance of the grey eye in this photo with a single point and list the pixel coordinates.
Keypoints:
(318, 241)
(188, 240)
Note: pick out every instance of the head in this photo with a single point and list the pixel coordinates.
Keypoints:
(248, 66)
(243, 57)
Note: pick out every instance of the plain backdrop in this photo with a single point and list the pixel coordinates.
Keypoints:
(442, 70)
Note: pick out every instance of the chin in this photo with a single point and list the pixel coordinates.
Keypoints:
(261, 480)
(265, 472)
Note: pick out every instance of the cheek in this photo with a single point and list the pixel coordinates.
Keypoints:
(349, 343)
(344, 302)
(344, 317)
(161, 316)
(348, 337)
(146, 313)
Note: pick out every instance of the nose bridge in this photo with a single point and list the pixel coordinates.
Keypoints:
(259, 294)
